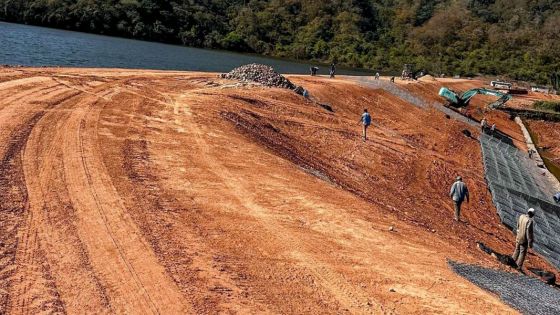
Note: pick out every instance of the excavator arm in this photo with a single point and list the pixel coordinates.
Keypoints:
(463, 100)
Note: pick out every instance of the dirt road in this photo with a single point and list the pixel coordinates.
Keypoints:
(172, 193)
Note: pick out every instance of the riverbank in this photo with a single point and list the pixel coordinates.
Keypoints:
(179, 192)
(39, 46)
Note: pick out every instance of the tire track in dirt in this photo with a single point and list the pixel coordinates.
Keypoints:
(19, 89)
(351, 297)
(120, 256)
(23, 81)
(14, 196)
(80, 89)
(158, 210)
(15, 99)
(227, 278)
(177, 230)
(86, 281)
(195, 251)
(51, 222)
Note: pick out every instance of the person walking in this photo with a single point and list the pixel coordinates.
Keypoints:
(459, 192)
(484, 124)
(377, 76)
(332, 70)
(365, 120)
(524, 239)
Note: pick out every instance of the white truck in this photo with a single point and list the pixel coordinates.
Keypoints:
(501, 85)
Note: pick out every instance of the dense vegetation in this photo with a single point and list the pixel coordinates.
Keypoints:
(517, 38)
(547, 105)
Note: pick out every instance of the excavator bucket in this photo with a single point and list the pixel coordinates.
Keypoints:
(500, 102)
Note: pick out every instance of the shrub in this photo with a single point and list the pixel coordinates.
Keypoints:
(547, 105)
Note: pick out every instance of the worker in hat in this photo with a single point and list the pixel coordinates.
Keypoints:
(484, 124)
(524, 239)
(459, 192)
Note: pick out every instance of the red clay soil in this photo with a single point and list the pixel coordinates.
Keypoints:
(526, 101)
(548, 132)
(477, 108)
(170, 193)
(548, 136)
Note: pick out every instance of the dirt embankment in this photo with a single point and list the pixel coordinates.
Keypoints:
(170, 192)
(548, 137)
(546, 131)
(477, 108)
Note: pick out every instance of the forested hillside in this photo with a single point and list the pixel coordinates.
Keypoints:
(517, 38)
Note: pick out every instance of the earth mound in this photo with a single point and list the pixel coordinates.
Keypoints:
(259, 73)
(427, 77)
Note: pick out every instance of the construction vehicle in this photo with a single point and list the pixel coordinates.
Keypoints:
(540, 89)
(501, 85)
(508, 87)
(408, 72)
(462, 100)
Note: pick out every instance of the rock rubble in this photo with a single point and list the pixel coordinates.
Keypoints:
(262, 74)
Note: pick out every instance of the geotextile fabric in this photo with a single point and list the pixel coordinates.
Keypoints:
(517, 184)
(525, 294)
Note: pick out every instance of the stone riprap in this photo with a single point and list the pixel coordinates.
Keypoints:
(258, 73)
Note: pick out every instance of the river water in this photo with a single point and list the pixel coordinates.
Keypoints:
(39, 46)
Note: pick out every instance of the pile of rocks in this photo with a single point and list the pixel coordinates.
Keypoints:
(262, 74)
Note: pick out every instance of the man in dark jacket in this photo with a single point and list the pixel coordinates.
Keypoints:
(332, 70)
(459, 192)
(524, 239)
(314, 70)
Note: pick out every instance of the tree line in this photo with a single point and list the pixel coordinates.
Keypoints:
(518, 39)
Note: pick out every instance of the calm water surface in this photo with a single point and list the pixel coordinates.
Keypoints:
(39, 46)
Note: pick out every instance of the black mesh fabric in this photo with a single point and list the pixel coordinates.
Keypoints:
(525, 294)
(517, 184)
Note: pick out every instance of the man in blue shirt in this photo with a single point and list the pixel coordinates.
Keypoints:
(365, 121)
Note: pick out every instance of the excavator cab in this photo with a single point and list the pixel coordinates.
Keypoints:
(451, 97)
